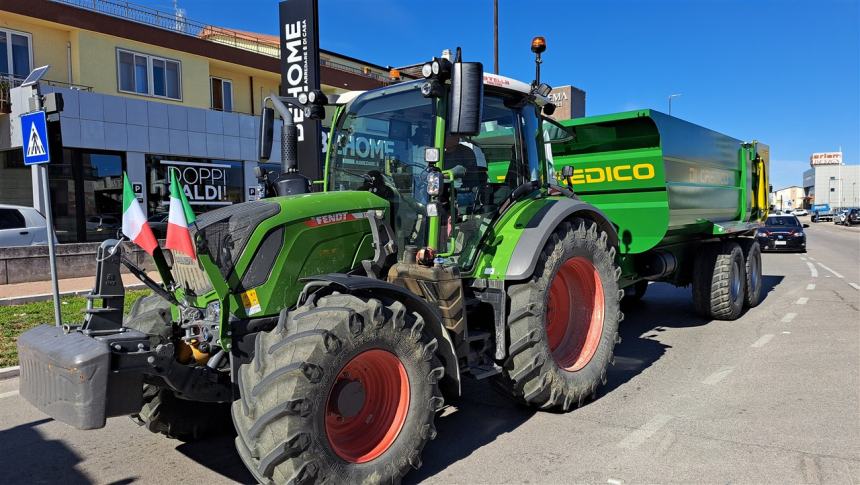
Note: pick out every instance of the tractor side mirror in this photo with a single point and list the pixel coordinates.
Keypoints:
(467, 98)
(267, 130)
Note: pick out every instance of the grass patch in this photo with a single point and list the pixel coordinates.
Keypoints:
(17, 319)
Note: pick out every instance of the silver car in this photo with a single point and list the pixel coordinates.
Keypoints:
(22, 226)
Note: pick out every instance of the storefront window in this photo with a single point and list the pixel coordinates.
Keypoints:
(208, 184)
(86, 195)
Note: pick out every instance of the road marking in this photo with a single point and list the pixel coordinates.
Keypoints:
(718, 376)
(811, 258)
(855, 286)
(812, 270)
(637, 437)
(786, 333)
(802, 300)
(614, 481)
(8, 394)
(763, 340)
(828, 269)
(788, 317)
(810, 286)
(803, 259)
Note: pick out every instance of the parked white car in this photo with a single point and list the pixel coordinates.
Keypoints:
(22, 226)
(800, 212)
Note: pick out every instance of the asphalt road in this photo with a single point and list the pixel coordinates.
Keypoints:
(771, 398)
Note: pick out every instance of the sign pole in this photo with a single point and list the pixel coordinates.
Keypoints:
(52, 254)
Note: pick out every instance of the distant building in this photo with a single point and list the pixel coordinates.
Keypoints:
(829, 181)
(788, 198)
(569, 102)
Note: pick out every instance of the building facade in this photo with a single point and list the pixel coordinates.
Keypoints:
(144, 91)
(837, 185)
(788, 198)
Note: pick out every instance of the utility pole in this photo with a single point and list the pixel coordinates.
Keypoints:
(496, 36)
(670, 101)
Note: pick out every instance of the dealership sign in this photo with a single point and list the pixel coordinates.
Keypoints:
(203, 183)
(300, 73)
(825, 158)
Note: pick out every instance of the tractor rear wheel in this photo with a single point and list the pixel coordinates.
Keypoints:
(343, 389)
(564, 320)
(719, 282)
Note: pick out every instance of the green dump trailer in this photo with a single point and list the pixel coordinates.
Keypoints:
(677, 192)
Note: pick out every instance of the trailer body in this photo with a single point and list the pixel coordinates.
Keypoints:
(666, 184)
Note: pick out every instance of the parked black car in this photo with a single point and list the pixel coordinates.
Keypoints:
(782, 233)
(853, 217)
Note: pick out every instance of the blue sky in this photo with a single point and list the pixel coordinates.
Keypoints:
(786, 72)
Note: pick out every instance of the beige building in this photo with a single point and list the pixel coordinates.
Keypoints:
(788, 198)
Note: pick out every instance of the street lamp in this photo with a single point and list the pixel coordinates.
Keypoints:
(670, 100)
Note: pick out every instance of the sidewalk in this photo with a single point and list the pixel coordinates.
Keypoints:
(41, 290)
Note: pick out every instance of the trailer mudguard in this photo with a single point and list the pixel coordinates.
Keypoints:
(353, 283)
(542, 224)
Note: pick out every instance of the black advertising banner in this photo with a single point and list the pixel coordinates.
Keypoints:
(300, 72)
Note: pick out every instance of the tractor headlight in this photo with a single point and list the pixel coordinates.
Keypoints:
(427, 70)
(434, 182)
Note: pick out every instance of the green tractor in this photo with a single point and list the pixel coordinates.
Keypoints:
(335, 325)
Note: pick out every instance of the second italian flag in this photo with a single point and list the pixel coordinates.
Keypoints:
(178, 219)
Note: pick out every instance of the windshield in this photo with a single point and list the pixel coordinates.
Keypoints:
(379, 146)
(783, 221)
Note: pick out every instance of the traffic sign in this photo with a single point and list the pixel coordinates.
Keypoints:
(34, 129)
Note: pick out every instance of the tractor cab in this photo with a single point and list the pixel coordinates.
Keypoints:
(445, 184)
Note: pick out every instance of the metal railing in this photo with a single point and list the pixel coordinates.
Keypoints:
(177, 22)
(8, 81)
(174, 22)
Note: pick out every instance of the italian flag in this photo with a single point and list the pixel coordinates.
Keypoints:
(134, 225)
(180, 215)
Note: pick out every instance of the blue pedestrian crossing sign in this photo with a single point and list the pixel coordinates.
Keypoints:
(34, 129)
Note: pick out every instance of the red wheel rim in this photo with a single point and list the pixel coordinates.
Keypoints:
(574, 316)
(367, 406)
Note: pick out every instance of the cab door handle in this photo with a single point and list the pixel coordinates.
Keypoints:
(24, 233)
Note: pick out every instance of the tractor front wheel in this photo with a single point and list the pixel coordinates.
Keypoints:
(563, 322)
(343, 389)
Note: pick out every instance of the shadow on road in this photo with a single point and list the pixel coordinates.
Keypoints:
(769, 283)
(481, 416)
(28, 457)
(219, 455)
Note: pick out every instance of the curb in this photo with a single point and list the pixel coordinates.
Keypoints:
(20, 300)
(9, 372)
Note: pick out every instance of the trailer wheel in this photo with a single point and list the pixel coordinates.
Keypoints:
(162, 411)
(564, 320)
(719, 283)
(753, 271)
(344, 389)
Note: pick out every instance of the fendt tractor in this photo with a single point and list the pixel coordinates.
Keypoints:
(335, 325)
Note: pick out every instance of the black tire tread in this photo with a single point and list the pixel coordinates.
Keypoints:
(279, 435)
(531, 376)
(162, 411)
(712, 280)
(751, 249)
